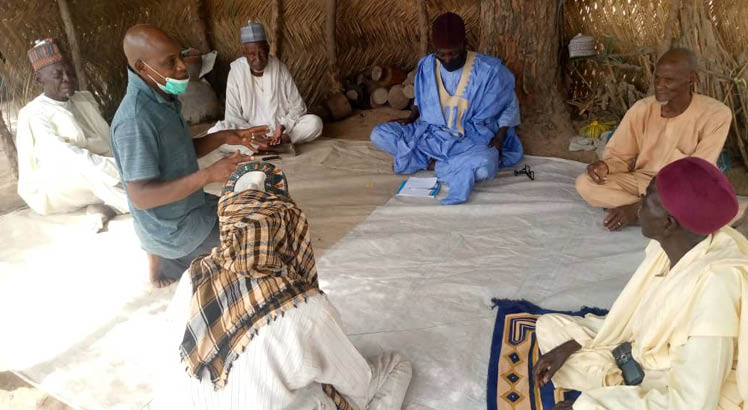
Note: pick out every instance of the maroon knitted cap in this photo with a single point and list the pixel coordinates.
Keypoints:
(697, 194)
(448, 31)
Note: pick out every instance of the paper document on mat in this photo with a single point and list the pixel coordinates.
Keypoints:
(415, 186)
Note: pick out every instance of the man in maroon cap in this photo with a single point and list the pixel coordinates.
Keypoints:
(463, 117)
(684, 312)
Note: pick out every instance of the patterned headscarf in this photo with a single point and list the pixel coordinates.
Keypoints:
(45, 52)
(263, 267)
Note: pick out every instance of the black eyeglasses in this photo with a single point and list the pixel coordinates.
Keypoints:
(525, 171)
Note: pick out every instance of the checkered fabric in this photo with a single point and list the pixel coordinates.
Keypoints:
(263, 267)
(45, 52)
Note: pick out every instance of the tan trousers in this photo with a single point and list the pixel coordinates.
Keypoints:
(590, 369)
(618, 190)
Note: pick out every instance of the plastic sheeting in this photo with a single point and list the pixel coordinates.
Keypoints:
(418, 277)
(81, 322)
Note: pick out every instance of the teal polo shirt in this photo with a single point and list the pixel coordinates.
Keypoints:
(152, 141)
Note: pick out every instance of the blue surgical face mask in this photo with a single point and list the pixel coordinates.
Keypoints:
(173, 86)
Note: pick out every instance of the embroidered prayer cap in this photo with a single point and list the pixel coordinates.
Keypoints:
(253, 32)
(259, 176)
(45, 52)
(448, 31)
(697, 194)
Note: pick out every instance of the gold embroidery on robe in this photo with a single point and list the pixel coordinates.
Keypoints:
(454, 106)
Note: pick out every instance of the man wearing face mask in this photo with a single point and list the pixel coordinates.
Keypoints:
(64, 159)
(463, 118)
(260, 90)
(174, 218)
(657, 130)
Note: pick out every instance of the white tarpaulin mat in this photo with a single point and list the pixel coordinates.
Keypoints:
(418, 277)
(80, 322)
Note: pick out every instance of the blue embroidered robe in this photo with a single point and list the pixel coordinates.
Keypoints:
(455, 129)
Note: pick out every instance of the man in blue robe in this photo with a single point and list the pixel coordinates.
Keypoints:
(463, 117)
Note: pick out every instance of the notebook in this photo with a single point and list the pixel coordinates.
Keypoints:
(423, 187)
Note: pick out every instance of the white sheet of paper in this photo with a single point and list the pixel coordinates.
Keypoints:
(422, 183)
(415, 186)
(416, 192)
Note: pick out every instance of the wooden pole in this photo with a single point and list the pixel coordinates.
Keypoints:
(487, 26)
(672, 19)
(75, 51)
(526, 37)
(423, 25)
(338, 104)
(275, 21)
(199, 26)
(332, 62)
(9, 146)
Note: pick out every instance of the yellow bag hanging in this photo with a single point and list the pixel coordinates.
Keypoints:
(594, 129)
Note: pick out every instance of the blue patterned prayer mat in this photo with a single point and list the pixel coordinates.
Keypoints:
(514, 352)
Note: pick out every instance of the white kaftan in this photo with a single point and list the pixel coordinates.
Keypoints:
(64, 156)
(688, 329)
(271, 100)
(284, 366)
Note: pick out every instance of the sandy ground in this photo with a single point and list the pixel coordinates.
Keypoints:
(9, 199)
(17, 394)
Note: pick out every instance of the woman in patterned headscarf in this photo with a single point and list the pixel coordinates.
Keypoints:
(259, 332)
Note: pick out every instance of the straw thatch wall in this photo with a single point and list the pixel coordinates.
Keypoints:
(632, 34)
(525, 34)
(367, 33)
(100, 26)
(20, 24)
(301, 44)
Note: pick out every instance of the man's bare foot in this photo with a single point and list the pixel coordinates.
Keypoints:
(100, 215)
(154, 272)
(621, 217)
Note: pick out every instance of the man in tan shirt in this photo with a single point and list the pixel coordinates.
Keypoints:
(673, 124)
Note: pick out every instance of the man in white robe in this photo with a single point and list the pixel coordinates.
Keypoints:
(684, 311)
(261, 91)
(64, 156)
